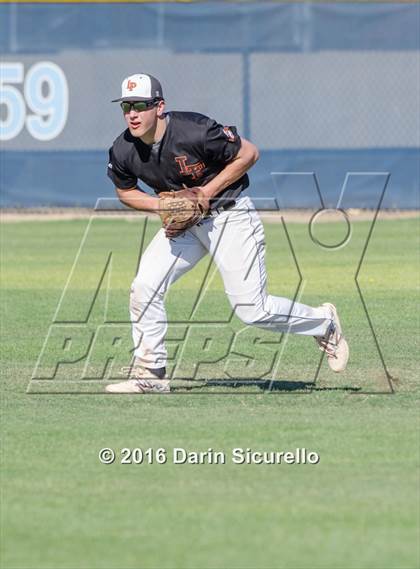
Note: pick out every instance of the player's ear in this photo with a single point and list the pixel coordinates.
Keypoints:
(160, 108)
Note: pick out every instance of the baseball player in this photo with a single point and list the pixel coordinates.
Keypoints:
(197, 168)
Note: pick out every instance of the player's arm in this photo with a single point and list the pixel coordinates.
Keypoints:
(245, 158)
(137, 199)
(125, 183)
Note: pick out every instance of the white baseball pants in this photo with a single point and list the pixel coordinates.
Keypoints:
(235, 239)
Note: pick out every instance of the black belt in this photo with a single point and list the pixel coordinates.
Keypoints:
(216, 210)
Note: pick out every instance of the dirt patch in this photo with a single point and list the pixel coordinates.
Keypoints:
(333, 216)
(290, 215)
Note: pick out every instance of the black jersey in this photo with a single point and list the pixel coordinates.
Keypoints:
(193, 150)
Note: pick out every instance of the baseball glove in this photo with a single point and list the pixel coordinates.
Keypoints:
(179, 210)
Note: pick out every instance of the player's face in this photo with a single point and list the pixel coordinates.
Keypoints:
(142, 124)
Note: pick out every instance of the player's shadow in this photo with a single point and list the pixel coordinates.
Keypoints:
(265, 385)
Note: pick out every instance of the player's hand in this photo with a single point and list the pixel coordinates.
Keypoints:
(204, 198)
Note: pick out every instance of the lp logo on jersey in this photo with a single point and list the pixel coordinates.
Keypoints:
(193, 170)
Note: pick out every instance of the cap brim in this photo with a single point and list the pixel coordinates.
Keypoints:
(132, 99)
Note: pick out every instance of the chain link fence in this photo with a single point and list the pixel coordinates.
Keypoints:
(330, 88)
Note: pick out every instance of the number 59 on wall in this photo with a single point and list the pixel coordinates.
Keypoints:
(45, 93)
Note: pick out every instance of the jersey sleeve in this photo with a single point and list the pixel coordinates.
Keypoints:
(121, 177)
(222, 143)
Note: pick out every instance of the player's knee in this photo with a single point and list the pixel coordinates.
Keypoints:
(142, 289)
(250, 314)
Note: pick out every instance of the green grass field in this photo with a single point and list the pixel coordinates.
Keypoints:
(61, 508)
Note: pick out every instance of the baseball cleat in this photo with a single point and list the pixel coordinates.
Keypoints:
(140, 386)
(333, 343)
(142, 380)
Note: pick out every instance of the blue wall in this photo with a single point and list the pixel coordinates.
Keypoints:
(324, 88)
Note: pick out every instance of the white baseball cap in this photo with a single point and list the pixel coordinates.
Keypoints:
(140, 87)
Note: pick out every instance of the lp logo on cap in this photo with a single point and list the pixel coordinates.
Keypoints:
(131, 85)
